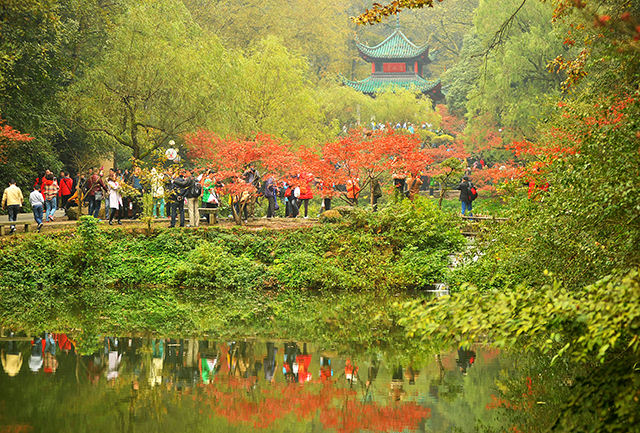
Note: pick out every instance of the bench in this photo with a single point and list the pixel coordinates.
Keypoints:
(4, 226)
(212, 211)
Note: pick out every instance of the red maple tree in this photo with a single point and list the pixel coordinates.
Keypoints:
(9, 135)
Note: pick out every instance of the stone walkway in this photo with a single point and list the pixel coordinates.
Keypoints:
(61, 222)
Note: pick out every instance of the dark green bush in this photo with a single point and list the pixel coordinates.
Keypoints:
(209, 268)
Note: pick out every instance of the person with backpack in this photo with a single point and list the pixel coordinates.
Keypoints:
(468, 194)
(179, 187)
(193, 193)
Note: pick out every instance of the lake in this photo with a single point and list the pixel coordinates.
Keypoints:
(151, 384)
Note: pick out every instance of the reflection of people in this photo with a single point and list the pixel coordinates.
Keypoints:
(466, 358)
(304, 361)
(64, 343)
(290, 366)
(326, 372)
(11, 358)
(95, 365)
(270, 362)
(209, 362)
(157, 359)
(114, 357)
(397, 381)
(372, 371)
(350, 372)
(372, 374)
(50, 362)
(37, 351)
(412, 375)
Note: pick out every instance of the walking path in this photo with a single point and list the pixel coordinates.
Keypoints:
(61, 222)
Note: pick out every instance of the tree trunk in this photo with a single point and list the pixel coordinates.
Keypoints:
(371, 193)
(237, 217)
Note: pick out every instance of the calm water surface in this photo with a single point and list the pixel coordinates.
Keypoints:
(136, 384)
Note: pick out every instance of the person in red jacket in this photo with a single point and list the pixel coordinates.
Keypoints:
(66, 189)
(306, 193)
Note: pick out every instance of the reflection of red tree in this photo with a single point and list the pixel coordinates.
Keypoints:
(240, 401)
(16, 428)
(527, 400)
(354, 416)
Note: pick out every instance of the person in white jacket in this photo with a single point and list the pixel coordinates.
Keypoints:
(115, 198)
(37, 205)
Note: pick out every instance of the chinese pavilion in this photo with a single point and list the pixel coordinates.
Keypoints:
(396, 62)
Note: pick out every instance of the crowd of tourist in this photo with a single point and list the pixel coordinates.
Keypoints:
(184, 193)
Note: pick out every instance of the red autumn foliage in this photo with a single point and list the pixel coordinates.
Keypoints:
(363, 157)
(9, 135)
(527, 400)
(450, 123)
(360, 156)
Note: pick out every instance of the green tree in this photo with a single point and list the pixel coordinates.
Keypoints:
(271, 93)
(504, 69)
(159, 77)
(321, 31)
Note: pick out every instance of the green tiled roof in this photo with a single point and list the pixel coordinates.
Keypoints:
(396, 46)
(375, 83)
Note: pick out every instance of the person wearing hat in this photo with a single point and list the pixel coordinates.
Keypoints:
(465, 196)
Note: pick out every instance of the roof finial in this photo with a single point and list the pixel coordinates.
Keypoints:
(397, 22)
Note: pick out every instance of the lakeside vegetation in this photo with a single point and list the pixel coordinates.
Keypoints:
(335, 278)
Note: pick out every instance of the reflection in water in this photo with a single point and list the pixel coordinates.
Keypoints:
(160, 384)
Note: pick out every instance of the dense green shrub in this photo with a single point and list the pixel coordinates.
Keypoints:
(404, 246)
(210, 268)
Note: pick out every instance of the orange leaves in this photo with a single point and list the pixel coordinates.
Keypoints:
(359, 155)
(379, 11)
(601, 20)
(8, 135)
(450, 123)
(574, 69)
